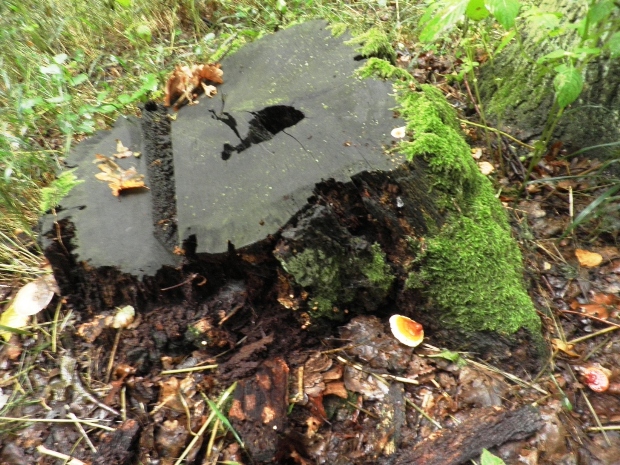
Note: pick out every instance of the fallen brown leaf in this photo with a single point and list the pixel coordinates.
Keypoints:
(588, 259)
(186, 81)
(117, 178)
(121, 150)
(559, 345)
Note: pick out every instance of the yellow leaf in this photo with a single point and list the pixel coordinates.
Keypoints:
(12, 319)
(559, 345)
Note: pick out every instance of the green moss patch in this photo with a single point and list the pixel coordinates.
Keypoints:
(472, 269)
(324, 273)
(375, 43)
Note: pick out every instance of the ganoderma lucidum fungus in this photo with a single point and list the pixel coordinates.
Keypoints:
(406, 330)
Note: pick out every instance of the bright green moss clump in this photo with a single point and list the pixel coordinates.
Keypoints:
(472, 269)
(381, 68)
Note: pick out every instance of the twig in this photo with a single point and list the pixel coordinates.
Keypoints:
(188, 370)
(55, 327)
(67, 458)
(77, 424)
(57, 420)
(367, 412)
(589, 336)
(596, 418)
(117, 339)
(604, 428)
(70, 376)
(511, 377)
(585, 315)
(423, 413)
(204, 426)
(497, 131)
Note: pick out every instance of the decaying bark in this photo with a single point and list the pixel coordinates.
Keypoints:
(485, 428)
(118, 448)
(259, 408)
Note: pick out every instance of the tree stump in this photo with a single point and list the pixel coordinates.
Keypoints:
(290, 181)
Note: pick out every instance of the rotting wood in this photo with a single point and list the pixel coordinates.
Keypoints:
(258, 412)
(483, 429)
(118, 448)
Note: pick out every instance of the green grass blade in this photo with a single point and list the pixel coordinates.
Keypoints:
(225, 421)
(583, 216)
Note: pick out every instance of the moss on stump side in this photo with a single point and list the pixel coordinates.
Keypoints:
(472, 269)
(328, 274)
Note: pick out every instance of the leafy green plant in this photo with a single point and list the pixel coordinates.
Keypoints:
(597, 32)
(57, 189)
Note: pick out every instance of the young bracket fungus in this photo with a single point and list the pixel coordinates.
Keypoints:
(596, 378)
(406, 330)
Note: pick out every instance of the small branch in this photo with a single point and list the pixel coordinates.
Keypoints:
(67, 458)
(497, 131)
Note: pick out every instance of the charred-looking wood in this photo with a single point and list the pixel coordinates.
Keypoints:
(160, 166)
(118, 448)
(156, 128)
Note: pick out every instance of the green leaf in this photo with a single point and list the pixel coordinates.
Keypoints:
(14, 330)
(453, 357)
(124, 99)
(548, 21)
(552, 56)
(79, 79)
(224, 420)
(144, 32)
(149, 82)
(476, 10)
(87, 126)
(505, 41)
(505, 11)
(600, 11)
(568, 84)
(447, 14)
(281, 6)
(107, 108)
(29, 103)
(60, 58)
(583, 52)
(59, 99)
(489, 459)
(613, 45)
(585, 214)
(124, 3)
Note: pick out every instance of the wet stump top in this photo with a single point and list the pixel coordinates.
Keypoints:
(237, 167)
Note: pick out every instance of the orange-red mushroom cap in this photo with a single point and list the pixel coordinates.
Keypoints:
(406, 330)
